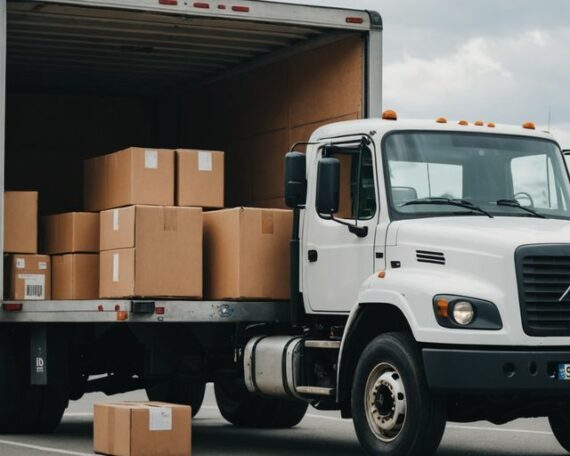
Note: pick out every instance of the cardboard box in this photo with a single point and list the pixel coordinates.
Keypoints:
(247, 253)
(75, 276)
(72, 232)
(200, 178)
(142, 429)
(28, 277)
(151, 251)
(20, 222)
(128, 177)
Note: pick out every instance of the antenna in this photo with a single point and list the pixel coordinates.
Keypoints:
(549, 116)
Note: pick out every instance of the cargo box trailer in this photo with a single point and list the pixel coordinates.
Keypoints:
(429, 260)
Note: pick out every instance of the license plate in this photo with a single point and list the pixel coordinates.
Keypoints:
(564, 372)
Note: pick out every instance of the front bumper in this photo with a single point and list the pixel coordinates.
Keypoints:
(450, 370)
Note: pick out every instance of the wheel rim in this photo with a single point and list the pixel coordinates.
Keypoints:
(385, 402)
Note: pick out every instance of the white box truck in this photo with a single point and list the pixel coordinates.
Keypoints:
(430, 259)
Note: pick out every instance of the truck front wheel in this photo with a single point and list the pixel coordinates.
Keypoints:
(394, 412)
(560, 424)
(241, 408)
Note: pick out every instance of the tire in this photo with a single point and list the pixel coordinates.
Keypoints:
(25, 408)
(394, 413)
(179, 390)
(560, 425)
(241, 408)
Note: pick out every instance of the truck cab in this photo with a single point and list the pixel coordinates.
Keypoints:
(446, 246)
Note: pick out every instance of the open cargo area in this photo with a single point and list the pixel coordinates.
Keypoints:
(82, 82)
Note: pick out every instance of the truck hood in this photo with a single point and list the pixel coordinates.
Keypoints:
(493, 235)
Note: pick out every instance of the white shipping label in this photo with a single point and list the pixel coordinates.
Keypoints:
(115, 219)
(160, 419)
(34, 285)
(115, 267)
(20, 263)
(151, 159)
(42, 265)
(204, 160)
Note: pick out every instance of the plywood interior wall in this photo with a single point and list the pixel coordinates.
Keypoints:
(257, 116)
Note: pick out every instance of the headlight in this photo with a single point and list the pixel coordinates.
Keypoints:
(463, 312)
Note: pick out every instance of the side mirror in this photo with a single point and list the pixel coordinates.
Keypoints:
(295, 179)
(328, 185)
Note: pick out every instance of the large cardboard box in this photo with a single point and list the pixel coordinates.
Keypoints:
(247, 253)
(142, 429)
(200, 178)
(151, 251)
(20, 222)
(28, 277)
(75, 276)
(128, 177)
(72, 232)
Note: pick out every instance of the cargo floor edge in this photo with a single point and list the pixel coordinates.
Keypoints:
(144, 311)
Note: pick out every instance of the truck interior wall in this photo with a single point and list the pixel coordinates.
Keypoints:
(256, 116)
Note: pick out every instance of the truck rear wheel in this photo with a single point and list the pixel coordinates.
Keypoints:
(241, 408)
(24, 407)
(179, 390)
(394, 412)
(560, 425)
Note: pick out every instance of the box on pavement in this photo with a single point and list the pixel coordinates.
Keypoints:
(247, 253)
(75, 276)
(72, 232)
(151, 251)
(200, 178)
(28, 277)
(20, 222)
(142, 429)
(131, 176)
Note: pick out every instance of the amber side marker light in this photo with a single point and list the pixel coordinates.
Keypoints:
(441, 120)
(122, 315)
(382, 274)
(389, 115)
(529, 125)
(442, 308)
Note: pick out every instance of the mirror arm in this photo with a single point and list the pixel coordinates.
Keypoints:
(360, 231)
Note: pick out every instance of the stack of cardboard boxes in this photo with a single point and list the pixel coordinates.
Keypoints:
(151, 225)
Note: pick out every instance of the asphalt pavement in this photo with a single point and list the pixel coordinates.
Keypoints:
(319, 434)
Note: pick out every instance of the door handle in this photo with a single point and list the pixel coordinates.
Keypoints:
(313, 256)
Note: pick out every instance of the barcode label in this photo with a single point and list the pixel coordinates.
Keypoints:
(34, 285)
(34, 291)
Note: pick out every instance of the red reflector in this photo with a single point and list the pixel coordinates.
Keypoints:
(240, 9)
(12, 307)
(354, 20)
(160, 310)
(221, 6)
(100, 308)
(117, 307)
(168, 2)
(201, 5)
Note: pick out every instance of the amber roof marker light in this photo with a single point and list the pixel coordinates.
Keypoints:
(463, 123)
(441, 120)
(389, 115)
(529, 125)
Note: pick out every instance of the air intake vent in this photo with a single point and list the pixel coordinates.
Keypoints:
(423, 256)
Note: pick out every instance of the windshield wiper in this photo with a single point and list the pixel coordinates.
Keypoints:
(515, 203)
(449, 202)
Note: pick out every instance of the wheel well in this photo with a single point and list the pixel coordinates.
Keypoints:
(371, 321)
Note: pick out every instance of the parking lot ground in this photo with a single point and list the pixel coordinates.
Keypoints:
(319, 434)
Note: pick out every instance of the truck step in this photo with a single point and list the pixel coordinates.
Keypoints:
(315, 390)
(324, 344)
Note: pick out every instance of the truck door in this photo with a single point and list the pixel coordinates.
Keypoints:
(336, 260)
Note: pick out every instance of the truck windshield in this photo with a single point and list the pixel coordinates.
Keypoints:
(443, 174)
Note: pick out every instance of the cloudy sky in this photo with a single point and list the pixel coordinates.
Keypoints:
(505, 61)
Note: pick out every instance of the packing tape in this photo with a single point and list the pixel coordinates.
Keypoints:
(267, 223)
(115, 267)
